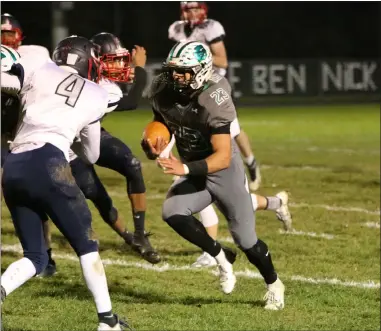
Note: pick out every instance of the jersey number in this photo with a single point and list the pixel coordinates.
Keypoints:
(219, 96)
(71, 88)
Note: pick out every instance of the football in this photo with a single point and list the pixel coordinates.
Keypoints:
(155, 130)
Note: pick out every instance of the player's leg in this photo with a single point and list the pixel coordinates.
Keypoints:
(67, 208)
(93, 189)
(243, 143)
(186, 197)
(209, 219)
(51, 268)
(115, 155)
(233, 199)
(19, 195)
(278, 204)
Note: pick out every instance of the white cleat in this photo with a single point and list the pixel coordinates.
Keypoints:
(283, 213)
(106, 327)
(227, 280)
(274, 296)
(225, 262)
(205, 260)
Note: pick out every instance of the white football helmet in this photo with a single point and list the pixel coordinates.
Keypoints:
(194, 57)
(8, 57)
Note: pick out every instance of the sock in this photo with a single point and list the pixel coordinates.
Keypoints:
(192, 230)
(273, 203)
(249, 160)
(208, 216)
(260, 256)
(108, 318)
(139, 219)
(95, 278)
(255, 201)
(223, 262)
(17, 274)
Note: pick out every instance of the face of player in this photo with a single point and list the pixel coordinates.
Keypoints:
(11, 39)
(116, 68)
(182, 78)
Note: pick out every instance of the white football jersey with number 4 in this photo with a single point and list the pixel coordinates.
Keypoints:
(56, 104)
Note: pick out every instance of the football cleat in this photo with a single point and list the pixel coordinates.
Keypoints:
(50, 269)
(141, 245)
(274, 296)
(205, 260)
(283, 213)
(119, 326)
(227, 277)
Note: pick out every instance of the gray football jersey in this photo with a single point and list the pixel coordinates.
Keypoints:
(194, 122)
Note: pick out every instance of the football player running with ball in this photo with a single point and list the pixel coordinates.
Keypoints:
(196, 106)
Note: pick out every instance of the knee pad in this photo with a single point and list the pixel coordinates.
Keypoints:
(134, 175)
(110, 217)
(39, 260)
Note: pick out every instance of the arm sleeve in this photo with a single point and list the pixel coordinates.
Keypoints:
(88, 148)
(130, 100)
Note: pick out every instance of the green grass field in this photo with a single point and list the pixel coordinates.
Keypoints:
(329, 160)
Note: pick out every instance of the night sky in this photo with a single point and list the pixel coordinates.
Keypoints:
(254, 30)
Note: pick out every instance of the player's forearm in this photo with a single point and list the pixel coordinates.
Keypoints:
(131, 100)
(220, 61)
(218, 161)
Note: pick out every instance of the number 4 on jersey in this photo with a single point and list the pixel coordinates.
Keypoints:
(219, 96)
(71, 88)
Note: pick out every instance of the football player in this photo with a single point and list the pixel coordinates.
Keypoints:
(12, 36)
(196, 106)
(58, 103)
(196, 26)
(115, 64)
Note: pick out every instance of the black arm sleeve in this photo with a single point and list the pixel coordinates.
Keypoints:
(130, 101)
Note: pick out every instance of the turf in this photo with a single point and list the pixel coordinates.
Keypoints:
(327, 157)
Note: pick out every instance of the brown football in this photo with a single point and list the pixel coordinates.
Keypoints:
(155, 130)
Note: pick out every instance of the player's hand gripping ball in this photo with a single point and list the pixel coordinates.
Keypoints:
(155, 138)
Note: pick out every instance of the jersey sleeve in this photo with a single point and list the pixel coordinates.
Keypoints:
(114, 94)
(215, 32)
(221, 111)
(173, 31)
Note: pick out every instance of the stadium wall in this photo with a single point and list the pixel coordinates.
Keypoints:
(300, 81)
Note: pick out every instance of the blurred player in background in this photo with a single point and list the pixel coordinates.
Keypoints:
(195, 26)
(195, 104)
(12, 36)
(58, 104)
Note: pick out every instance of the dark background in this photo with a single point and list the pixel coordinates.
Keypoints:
(254, 29)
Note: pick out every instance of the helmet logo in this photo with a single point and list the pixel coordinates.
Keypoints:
(200, 53)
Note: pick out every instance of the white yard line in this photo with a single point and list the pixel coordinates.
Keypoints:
(372, 225)
(307, 234)
(336, 208)
(164, 267)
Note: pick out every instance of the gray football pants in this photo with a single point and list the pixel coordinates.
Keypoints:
(227, 189)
